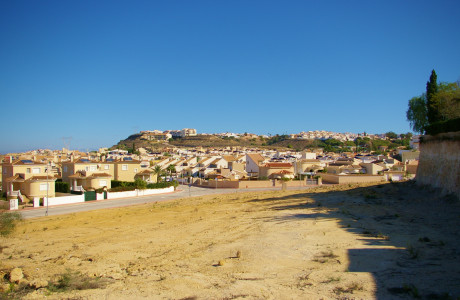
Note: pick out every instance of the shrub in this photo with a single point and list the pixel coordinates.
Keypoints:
(8, 222)
(74, 280)
(443, 126)
(162, 185)
(122, 189)
(140, 184)
(62, 187)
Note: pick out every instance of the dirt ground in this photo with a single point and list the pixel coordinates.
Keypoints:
(389, 241)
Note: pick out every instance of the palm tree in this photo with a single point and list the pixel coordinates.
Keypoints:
(171, 169)
(157, 170)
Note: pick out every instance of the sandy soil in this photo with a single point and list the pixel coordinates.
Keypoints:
(392, 241)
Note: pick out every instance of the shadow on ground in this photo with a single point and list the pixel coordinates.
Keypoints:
(414, 231)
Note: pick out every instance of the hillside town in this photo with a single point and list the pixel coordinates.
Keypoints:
(31, 177)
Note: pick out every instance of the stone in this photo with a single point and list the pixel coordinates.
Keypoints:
(4, 287)
(16, 275)
(38, 283)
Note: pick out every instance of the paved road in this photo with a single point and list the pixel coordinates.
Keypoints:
(181, 192)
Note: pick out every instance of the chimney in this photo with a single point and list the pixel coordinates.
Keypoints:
(71, 157)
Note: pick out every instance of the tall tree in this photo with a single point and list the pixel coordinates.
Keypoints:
(431, 103)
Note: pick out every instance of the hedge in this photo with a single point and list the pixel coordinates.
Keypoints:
(443, 126)
(122, 186)
(62, 187)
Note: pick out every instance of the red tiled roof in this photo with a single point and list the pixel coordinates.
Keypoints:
(278, 165)
(100, 175)
(283, 172)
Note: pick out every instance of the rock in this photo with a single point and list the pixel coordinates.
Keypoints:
(116, 276)
(16, 275)
(7, 251)
(4, 287)
(38, 283)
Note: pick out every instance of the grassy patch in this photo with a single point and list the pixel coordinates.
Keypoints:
(74, 280)
(350, 289)
(325, 256)
(8, 221)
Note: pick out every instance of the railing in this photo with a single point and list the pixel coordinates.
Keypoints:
(16, 194)
(78, 188)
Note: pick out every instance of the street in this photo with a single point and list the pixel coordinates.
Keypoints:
(182, 191)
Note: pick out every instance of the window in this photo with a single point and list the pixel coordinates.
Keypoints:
(124, 167)
(87, 168)
(106, 167)
(28, 170)
(35, 170)
(135, 170)
(65, 168)
(102, 182)
(93, 168)
(43, 186)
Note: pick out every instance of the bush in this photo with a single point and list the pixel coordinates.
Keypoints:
(122, 189)
(162, 185)
(74, 280)
(118, 183)
(140, 184)
(8, 222)
(122, 186)
(62, 187)
(443, 126)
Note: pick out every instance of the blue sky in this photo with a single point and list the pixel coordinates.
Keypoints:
(98, 71)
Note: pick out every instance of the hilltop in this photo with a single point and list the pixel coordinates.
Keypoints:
(329, 142)
(215, 141)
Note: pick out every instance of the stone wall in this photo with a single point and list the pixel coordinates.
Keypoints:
(439, 164)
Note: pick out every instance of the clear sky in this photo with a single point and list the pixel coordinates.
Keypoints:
(98, 71)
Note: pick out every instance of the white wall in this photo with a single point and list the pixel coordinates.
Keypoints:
(135, 193)
(65, 200)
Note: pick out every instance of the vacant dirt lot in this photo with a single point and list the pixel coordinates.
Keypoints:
(346, 242)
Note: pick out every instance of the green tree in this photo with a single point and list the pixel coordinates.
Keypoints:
(417, 113)
(432, 107)
(171, 169)
(447, 99)
(157, 171)
(391, 135)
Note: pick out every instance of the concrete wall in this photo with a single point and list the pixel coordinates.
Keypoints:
(136, 193)
(247, 184)
(439, 164)
(344, 179)
(65, 200)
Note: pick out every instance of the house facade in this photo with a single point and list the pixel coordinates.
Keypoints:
(27, 177)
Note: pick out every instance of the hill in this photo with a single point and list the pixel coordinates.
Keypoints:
(276, 142)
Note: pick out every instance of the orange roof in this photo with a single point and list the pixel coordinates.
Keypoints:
(256, 157)
(100, 175)
(42, 177)
(278, 165)
(283, 172)
(14, 178)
